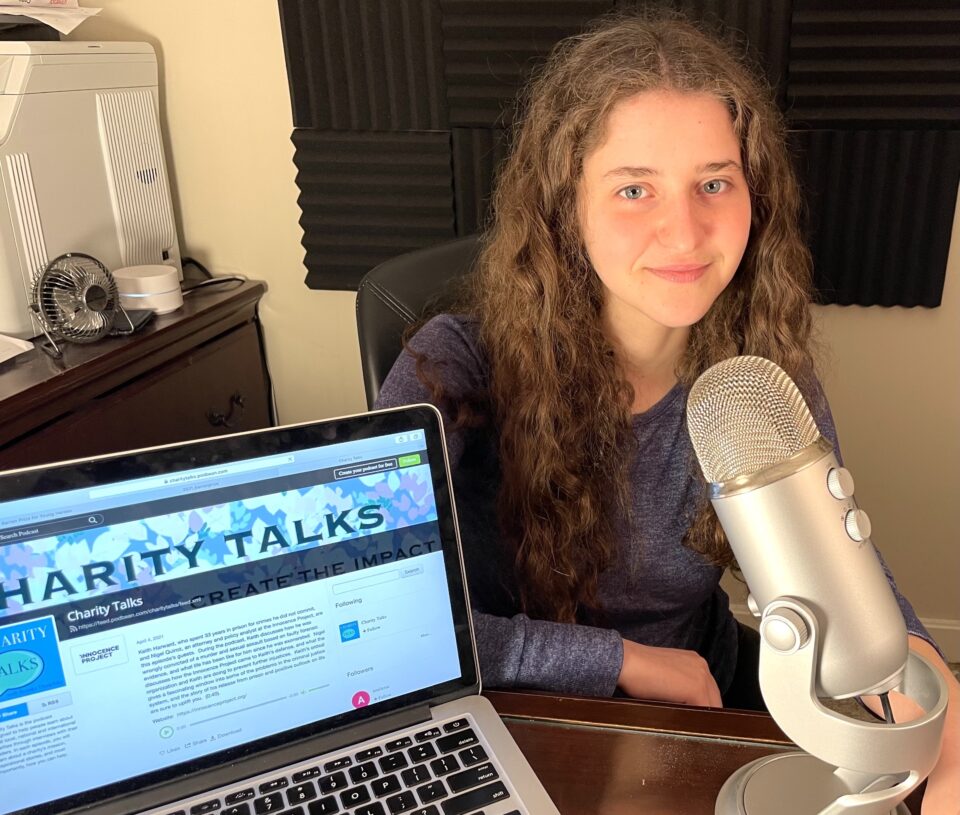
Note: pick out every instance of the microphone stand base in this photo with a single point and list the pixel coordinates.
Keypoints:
(795, 784)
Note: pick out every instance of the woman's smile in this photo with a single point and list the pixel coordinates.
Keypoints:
(679, 272)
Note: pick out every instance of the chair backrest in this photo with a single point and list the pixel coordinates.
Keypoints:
(393, 296)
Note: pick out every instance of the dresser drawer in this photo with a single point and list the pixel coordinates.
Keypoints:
(219, 387)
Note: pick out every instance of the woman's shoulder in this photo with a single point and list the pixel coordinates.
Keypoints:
(812, 389)
(810, 385)
(450, 326)
(449, 337)
(443, 354)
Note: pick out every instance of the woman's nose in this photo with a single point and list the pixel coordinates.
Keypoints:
(680, 227)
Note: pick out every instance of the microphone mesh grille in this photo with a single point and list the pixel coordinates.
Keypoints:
(745, 414)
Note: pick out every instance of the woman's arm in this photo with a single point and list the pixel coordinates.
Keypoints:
(942, 795)
(667, 675)
(517, 652)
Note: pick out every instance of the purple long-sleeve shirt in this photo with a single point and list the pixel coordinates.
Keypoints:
(655, 590)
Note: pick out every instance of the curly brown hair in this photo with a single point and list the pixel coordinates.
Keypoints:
(557, 393)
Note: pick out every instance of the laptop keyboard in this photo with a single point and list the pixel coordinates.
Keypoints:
(441, 770)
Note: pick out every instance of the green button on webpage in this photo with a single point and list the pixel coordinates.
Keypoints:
(408, 461)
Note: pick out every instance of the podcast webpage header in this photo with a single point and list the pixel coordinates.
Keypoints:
(213, 607)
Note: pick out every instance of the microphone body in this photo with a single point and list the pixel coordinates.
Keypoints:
(795, 538)
(787, 508)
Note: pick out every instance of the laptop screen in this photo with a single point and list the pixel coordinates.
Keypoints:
(193, 603)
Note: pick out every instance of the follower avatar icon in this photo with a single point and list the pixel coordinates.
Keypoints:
(361, 698)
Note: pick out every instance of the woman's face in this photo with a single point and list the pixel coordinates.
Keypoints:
(664, 208)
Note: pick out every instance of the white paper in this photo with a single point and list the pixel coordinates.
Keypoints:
(11, 347)
(42, 3)
(63, 20)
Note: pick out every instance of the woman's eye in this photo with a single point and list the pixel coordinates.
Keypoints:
(633, 192)
(714, 186)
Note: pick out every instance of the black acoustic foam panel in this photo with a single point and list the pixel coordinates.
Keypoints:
(365, 64)
(868, 246)
(870, 89)
(477, 152)
(491, 46)
(366, 197)
(855, 62)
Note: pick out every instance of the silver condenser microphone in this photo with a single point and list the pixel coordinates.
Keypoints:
(787, 507)
(830, 625)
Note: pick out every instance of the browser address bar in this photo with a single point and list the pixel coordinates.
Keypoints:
(189, 476)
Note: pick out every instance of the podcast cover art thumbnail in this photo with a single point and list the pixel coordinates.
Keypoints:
(29, 659)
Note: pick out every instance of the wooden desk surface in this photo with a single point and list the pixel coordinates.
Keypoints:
(621, 756)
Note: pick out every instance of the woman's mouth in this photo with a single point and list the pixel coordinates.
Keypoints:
(680, 272)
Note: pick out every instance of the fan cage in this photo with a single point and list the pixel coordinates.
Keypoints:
(76, 298)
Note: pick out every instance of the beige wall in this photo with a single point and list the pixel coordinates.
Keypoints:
(894, 385)
(225, 109)
(892, 379)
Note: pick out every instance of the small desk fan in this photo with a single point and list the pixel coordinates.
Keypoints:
(75, 298)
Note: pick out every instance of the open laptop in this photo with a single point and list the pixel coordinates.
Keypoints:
(270, 622)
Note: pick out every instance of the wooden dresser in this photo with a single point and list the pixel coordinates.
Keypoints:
(197, 372)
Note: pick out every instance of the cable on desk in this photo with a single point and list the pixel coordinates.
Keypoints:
(274, 415)
(214, 281)
(210, 280)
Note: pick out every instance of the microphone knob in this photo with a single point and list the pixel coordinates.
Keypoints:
(840, 483)
(858, 526)
(784, 630)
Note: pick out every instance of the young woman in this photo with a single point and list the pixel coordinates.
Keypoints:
(646, 227)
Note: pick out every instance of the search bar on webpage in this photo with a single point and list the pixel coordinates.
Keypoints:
(186, 477)
(360, 583)
(57, 526)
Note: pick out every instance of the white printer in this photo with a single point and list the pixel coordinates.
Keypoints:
(81, 164)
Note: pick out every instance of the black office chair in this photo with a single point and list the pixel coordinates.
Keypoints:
(394, 294)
